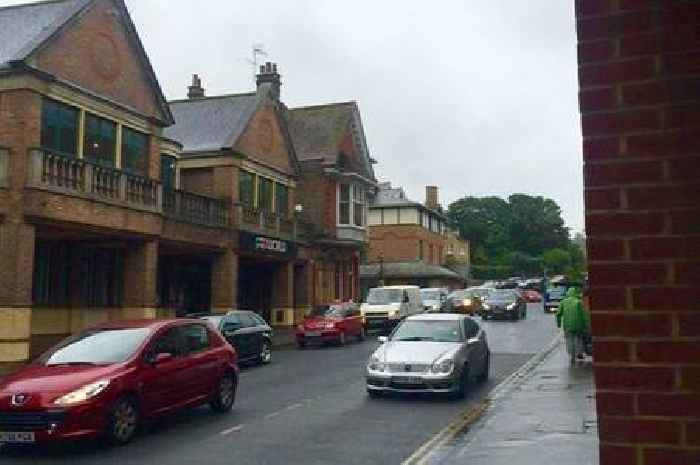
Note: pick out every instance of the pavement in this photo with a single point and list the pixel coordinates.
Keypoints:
(307, 407)
(546, 415)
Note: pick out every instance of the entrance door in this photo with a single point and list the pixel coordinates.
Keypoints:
(256, 286)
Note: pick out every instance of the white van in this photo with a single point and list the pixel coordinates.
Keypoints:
(386, 306)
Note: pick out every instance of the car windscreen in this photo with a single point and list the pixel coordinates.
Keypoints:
(428, 330)
(430, 295)
(379, 296)
(502, 294)
(98, 347)
(327, 311)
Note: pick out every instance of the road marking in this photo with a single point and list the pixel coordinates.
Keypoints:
(453, 428)
(235, 429)
(294, 406)
(269, 416)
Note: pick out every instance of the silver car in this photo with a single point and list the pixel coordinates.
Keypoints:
(431, 353)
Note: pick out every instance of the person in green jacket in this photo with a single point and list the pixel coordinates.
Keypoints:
(574, 320)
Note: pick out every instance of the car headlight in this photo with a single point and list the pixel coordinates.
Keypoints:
(467, 302)
(84, 393)
(329, 325)
(375, 364)
(392, 313)
(443, 366)
(511, 306)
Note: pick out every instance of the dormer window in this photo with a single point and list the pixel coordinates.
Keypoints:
(352, 205)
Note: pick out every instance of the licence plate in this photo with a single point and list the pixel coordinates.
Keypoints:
(407, 380)
(17, 438)
(312, 334)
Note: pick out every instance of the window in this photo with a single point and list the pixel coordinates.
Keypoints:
(248, 321)
(168, 171)
(246, 188)
(59, 128)
(281, 199)
(265, 194)
(196, 338)
(169, 342)
(134, 152)
(358, 201)
(51, 274)
(260, 320)
(102, 272)
(100, 141)
(344, 204)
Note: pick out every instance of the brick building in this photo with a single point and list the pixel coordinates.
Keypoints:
(335, 184)
(408, 241)
(106, 215)
(639, 80)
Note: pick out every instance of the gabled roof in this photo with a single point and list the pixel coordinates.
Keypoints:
(25, 29)
(211, 123)
(318, 132)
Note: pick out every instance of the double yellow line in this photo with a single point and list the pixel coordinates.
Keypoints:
(447, 434)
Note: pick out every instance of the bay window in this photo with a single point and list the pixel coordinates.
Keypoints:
(281, 199)
(352, 205)
(100, 141)
(59, 128)
(264, 194)
(134, 151)
(246, 189)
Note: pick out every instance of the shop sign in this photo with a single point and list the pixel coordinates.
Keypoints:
(267, 245)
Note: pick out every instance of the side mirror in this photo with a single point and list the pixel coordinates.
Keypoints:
(472, 340)
(157, 359)
(383, 339)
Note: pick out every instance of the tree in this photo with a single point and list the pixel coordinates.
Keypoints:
(557, 261)
(536, 224)
(484, 222)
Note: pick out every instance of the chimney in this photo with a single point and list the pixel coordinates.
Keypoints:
(431, 197)
(269, 78)
(195, 90)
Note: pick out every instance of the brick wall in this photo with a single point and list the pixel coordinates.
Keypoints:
(317, 193)
(639, 72)
(398, 243)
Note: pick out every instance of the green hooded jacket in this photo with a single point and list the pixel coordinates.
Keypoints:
(571, 316)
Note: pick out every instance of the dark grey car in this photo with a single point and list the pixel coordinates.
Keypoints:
(505, 303)
(247, 332)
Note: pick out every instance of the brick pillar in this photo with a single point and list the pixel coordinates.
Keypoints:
(283, 295)
(224, 282)
(140, 278)
(639, 75)
(16, 272)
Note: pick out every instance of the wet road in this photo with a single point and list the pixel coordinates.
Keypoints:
(307, 407)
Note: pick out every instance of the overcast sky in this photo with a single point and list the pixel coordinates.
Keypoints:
(478, 97)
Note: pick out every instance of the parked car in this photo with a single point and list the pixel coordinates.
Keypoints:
(331, 323)
(531, 296)
(106, 380)
(433, 298)
(432, 353)
(505, 303)
(465, 301)
(386, 306)
(247, 332)
(553, 297)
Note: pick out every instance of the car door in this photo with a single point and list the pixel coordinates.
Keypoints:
(201, 362)
(232, 331)
(355, 318)
(253, 332)
(162, 383)
(477, 345)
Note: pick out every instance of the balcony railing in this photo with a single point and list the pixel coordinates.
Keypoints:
(67, 175)
(194, 208)
(4, 161)
(264, 222)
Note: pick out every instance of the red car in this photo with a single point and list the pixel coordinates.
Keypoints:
(331, 323)
(531, 296)
(107, 379)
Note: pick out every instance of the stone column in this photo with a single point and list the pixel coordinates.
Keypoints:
(283, 295)
(17, 243)
(140, 278)
(224, 282)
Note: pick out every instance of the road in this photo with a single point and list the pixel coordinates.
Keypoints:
(307, 407)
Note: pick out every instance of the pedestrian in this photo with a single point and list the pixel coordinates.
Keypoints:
(574, 321)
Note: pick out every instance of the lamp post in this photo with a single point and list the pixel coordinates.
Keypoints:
(381, 269)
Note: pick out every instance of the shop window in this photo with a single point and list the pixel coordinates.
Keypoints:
(101, 277)
(134, 152)
(168, 171)
(246, 188)
(281, 199)
(59, 128)
(100, 141)
(344, 204)
(265, 194)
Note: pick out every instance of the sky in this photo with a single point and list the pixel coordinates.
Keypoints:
(478, 97)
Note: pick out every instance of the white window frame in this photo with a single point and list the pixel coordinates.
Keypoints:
(351, 218)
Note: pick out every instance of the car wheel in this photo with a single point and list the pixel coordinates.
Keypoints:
(341, 338)
(123, 421)
(266, 352)
(301, 344)
(225, 395)
(362, 335)
(484, 376)
(463, 384)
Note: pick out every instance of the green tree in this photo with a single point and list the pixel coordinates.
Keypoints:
(485, 222)
(536, 224)
(557, 261)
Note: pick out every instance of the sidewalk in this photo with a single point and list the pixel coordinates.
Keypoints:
(549, 418)
(284, 336)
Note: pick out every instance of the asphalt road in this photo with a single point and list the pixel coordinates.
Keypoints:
(307, 407)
